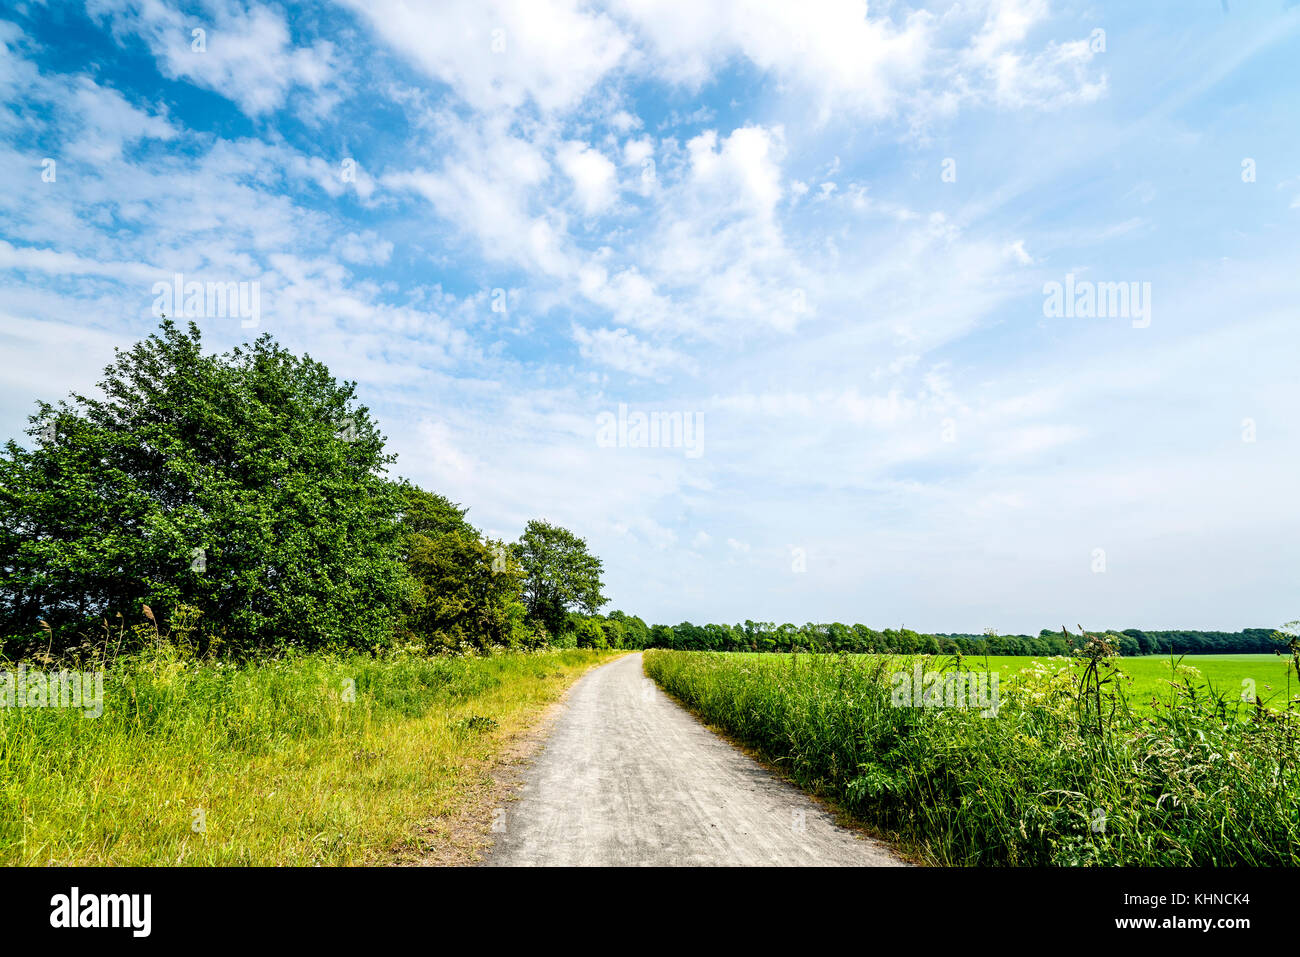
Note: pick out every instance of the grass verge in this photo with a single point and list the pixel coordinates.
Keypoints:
(303, 760)
(1045, 781)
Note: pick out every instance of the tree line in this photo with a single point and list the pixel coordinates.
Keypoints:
(249, 492)
(860, 639)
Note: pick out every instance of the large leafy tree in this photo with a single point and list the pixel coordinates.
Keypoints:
(250, 485)
(467, 588)
(560, 575)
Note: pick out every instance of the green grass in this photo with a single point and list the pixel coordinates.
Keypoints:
(1193, 780)
(285, 769)
(1151, 678)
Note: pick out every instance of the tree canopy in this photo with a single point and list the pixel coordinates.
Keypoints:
(466, 587)
(560, 575)
(249, 485)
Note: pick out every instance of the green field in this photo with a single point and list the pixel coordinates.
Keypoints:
(1158, 774)
(1151, 678)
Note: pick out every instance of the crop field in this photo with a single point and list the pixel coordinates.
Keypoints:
(1068, 766)
(1152, 678)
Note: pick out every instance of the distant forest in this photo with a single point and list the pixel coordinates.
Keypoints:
(632, 632)
(1135, 641)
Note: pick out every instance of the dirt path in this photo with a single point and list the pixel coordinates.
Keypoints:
(629, 777)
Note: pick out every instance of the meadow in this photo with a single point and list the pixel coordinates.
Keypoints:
(297, 760)
(1159, 678)
(1079, 765)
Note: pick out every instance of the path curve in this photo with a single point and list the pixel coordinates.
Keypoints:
(629, 777)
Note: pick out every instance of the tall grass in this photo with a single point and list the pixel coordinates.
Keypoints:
(1049, 780)
(304, 759)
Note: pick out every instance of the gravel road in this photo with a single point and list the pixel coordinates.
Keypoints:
(628, 777)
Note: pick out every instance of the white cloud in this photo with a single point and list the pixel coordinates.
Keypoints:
(1017, 250)
(488, 186)
(631, 298)
(847, 55)
(718, 244)
(111, 123)
(503, 53)
(247, 53)
(838, 55)
(741, 174)
(637, 151)
(336, 178)
(1007, 24)
(621, 350)
(1054, 78)
(54, 262)
(593, 176)
(832, 51)
(364, 249)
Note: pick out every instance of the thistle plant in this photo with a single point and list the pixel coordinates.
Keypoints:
(1100, 693)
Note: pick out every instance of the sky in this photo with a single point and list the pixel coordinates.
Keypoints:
(826, 235)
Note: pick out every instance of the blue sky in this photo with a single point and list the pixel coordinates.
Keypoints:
(824, 229)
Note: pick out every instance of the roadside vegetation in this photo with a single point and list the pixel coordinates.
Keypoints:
(303, 658)
(297, 760)
(1066, 772)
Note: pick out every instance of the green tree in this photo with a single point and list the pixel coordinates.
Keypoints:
(466, 588)
(662, 636)
(250, 485)
(615, 633)
(589, 633)
(635, 632)
(560, 575)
